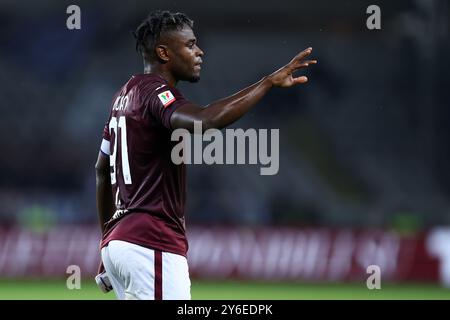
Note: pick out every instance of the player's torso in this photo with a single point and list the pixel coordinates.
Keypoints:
(143, 176)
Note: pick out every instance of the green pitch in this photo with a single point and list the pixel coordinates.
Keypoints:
(223, 290)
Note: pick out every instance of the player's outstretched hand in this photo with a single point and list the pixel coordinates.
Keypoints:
(283, 77)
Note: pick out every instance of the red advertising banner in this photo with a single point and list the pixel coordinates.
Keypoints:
(267, 254)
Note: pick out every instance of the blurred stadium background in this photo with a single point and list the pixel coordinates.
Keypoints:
(364, 155)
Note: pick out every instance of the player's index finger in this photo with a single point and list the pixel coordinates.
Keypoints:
(304, 53)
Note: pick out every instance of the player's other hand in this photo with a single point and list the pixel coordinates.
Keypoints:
(283, 77)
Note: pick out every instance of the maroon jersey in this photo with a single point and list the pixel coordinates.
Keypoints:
(148, 188)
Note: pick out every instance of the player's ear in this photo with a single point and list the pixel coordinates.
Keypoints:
(162, 53)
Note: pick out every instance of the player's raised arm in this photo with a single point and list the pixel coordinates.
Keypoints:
(224, 112)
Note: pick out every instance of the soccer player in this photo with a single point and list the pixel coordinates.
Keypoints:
(140, 191)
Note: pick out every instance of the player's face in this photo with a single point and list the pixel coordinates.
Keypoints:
(186, 56)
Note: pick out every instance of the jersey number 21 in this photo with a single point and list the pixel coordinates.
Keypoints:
(119, 127)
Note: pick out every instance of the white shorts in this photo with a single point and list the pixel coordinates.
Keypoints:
(139, 273)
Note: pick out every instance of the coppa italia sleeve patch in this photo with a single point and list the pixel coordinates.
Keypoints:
(166, 98)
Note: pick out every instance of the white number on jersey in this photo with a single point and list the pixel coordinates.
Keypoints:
(122, 127)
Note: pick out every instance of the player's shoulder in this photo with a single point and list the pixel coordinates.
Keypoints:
(154, 86)
(149, 83)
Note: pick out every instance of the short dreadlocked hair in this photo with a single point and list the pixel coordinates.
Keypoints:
(157, 23)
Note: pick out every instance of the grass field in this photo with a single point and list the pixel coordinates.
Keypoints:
(229, 290)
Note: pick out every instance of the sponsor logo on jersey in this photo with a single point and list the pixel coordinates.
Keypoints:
(166, 98)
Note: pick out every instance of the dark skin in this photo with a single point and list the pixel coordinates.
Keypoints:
(177, 57)
(105, 203)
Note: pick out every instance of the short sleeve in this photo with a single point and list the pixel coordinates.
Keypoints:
(163, 101)
(106, 135)
(105, 145)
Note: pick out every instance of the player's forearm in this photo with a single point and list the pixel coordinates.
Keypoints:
(224, 112)
(105, 204)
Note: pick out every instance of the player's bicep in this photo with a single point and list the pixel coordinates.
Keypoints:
(185, 116)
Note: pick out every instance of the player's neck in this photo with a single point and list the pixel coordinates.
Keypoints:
(166, 75)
